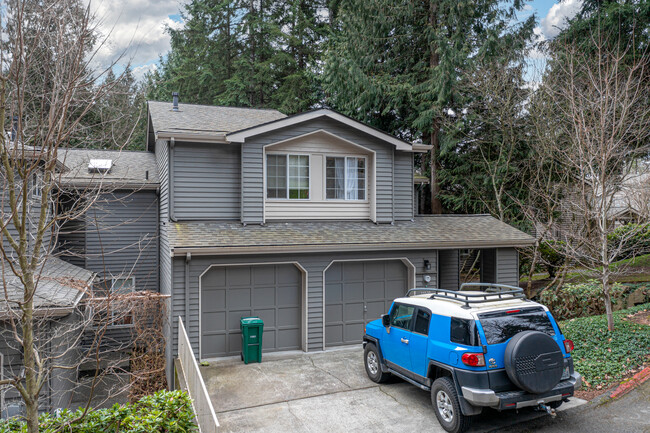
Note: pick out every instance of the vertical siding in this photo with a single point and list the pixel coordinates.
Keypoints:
(507, 266)
(206, 181)
(403, 195)
(122, 237)
(252, 154)
(488, 265)
(314, 264)
(449, 269)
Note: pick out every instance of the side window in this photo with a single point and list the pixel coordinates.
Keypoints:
(422, 322)
(401, 316)
(463, 331)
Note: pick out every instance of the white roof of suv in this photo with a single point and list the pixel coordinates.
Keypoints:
(457, 308)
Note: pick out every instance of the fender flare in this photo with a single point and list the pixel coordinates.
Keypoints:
(466, 408)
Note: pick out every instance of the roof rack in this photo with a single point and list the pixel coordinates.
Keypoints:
(421, 289)
(493, 293)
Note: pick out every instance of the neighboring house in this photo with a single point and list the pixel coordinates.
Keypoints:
(305, 221)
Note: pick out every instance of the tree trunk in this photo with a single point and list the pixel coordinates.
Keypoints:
(608, 304)
(31, 390)
(434, 61)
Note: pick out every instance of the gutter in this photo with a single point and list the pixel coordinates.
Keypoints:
(206, 137)
(421, 148)
(279, 249)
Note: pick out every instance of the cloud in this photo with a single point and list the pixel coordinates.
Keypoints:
(557, 16)
(140, 71)
(134, 30)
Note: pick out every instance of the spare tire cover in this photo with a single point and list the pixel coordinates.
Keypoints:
(534, 361)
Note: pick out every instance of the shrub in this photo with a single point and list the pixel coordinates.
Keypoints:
(579, 300)
(604, 357)
(164, 412)
(552, 256)
(633, 239)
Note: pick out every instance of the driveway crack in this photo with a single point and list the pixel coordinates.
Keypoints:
(327, 372)
(381, 388)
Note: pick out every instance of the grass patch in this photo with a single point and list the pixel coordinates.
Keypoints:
(634, 262)
(602, 357)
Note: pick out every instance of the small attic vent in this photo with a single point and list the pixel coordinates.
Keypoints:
(100, 165)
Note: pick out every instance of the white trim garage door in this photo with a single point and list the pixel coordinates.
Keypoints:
(271, 292)
(357, 293)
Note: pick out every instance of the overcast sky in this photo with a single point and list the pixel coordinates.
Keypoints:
(136, 28)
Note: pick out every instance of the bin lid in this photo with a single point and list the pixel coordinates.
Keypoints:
(251, 321)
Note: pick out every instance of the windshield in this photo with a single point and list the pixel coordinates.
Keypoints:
(503, 325)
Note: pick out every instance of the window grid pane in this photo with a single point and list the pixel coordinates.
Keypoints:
(276, 176)
(345, 178)
(299, 177)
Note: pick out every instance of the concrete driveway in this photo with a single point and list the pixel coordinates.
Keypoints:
(325, 392)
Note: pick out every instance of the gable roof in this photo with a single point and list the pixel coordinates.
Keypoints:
(240, 136)
(205, 121)
(59, 289)
(130, 170)
(426, 232)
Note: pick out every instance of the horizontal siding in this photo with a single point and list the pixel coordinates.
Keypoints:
(403, 193)
(206, 181)
(314, 264)
(507, 266)
(252, 166)
(122, 237)
(310, 210)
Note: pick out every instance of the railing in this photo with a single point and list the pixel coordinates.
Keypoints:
(193, 381)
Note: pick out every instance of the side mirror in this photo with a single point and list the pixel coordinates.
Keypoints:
(385, 320)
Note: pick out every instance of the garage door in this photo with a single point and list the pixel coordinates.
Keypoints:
(271, 292)
(357, 293)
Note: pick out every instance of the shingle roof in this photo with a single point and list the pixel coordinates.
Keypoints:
(443, 231)
(129, 170)
(60, 287)
(206, 119)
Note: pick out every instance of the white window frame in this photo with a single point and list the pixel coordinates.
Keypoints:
(345, 180)
(266, 179)
(36, 185)
(113, 280)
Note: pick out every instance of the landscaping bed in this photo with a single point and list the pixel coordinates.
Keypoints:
(605, 358)
(163, 412)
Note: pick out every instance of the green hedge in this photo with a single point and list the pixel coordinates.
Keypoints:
(579, 300)
(164, 412)
(602, 357)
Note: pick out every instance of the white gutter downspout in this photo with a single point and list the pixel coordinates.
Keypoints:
(188, 259)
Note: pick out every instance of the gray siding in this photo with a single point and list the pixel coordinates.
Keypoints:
(448, 269)
(403, 192)
(314, 264)
(206, 181)
(252, 166)
(122, 237)
(507, 266)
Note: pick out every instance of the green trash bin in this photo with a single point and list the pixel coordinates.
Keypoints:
(251, 339)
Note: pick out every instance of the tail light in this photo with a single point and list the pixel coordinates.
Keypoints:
(473, 359)
(568, 346)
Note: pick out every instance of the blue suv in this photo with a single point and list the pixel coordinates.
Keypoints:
(484, 345)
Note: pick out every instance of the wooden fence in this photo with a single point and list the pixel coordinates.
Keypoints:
(193, 382)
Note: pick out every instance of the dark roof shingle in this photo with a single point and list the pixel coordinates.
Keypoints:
(444, 231)
(206, 119)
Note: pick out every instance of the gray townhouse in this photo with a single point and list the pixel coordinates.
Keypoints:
(306, 221)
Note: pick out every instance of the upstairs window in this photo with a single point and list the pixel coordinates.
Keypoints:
(287, 177)
(345, 178)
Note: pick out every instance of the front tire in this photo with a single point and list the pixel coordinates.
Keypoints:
(372, 361)
(447, 407)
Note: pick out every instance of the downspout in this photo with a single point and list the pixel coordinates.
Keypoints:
(170, 175)
(188, 259)
(392, 195)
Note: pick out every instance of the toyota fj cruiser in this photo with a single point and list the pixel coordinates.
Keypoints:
(484, 345)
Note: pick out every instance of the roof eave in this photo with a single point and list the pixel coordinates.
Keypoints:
(278, 249)
(203, 137)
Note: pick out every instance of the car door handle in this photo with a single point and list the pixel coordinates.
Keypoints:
(405, 341)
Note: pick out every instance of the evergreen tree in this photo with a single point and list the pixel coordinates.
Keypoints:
(398, 64)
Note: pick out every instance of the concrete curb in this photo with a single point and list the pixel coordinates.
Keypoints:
(631, 383)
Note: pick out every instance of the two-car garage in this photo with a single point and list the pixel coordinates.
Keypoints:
(355, 292)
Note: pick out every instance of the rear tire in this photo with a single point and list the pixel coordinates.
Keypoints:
(372, 361)
(447, 407)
